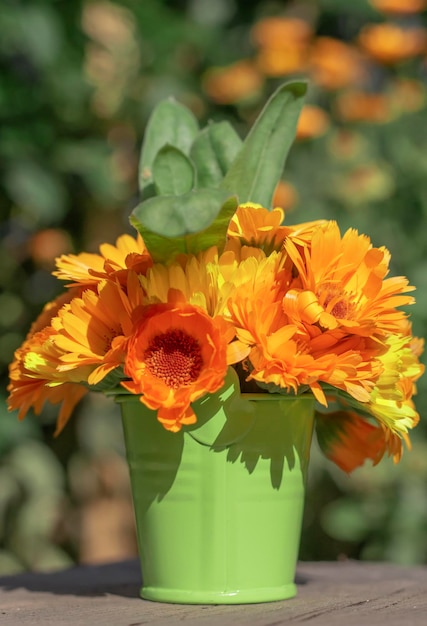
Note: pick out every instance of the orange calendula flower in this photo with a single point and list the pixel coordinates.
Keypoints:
(348, 440)
(113, 262)
(176, 355)
(343, 285)
(287, 359)
(278, 353)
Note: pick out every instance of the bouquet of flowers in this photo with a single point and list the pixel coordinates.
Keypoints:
(215, 280)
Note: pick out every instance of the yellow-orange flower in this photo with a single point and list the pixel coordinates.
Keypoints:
(113, 262)
(50, 310)
(391, 399)
(93, 330)
(255, 226)
(176, 355)
(348, 439)
(197, 277)
(34, 379)
(253, 294)
(33, 375)
(390, 43)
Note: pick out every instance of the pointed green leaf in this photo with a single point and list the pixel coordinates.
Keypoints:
(172, 124)
(257, 169)
(189, 223)
(173, 172)
(213, 151)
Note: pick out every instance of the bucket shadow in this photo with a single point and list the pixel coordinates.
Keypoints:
(280, 439)
(121, 579)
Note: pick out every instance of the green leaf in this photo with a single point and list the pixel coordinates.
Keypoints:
(170, 124)
(188, 223)
(257, 169)
(173, 173)
(213, 151)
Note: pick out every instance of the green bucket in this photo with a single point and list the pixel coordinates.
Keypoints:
(219, 505)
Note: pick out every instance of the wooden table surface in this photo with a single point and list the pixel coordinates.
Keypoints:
(333, 594)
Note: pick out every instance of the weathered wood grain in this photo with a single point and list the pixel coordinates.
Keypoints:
(332, 594)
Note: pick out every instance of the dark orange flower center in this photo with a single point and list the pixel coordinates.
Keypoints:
(338, 303)
(175, 357)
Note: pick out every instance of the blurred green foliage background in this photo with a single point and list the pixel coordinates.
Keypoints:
(78, 81)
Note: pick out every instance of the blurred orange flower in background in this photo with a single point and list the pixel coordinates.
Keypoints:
(275, 32)
(399, 6)
(45, 245)
(283, 45)
(335, 64)
(313, 122)
(285, 196)
(407, 95)
(287, 60)
(358, 106)
(368, 182)
(345, 144)
(389, 43)
(234, 83)
(112, 55)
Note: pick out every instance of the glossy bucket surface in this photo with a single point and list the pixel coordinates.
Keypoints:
(219, 506)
